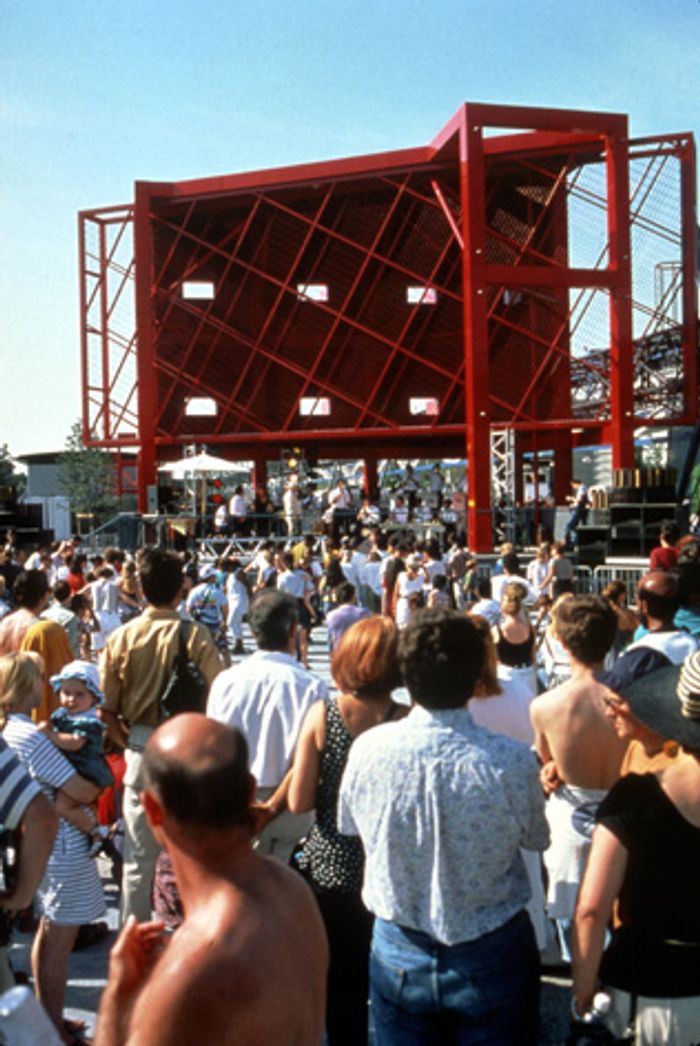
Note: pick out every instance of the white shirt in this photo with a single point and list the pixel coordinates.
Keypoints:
(290, 502)
(266, 697)
(351, 569)
(370, 575)
(237, 506)
(434, 567)
(339, 498)
(499, 582)
(506, 713)
(295, 583)
(537, 571)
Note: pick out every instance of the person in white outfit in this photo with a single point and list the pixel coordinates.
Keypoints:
(104, 596)
(237, 599)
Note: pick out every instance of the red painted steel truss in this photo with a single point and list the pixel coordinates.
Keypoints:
(404, 304)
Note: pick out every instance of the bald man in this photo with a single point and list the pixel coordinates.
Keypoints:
(661, 642)
(248, 965)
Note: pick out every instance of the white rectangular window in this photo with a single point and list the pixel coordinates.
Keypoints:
(198, 290)
(312, 291)
(318, 406)
(421, 295)
(200, 406)
(425, 405)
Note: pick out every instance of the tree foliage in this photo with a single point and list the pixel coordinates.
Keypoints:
(86, 477)
(8, 476)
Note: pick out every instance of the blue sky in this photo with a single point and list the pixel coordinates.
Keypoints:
(94, 96)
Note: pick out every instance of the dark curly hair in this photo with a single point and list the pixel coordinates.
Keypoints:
(441, 657)
(29, 588)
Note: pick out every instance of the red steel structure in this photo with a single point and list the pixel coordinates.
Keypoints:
(416, 301)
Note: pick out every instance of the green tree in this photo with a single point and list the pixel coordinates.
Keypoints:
(8, 476)
(86, 477)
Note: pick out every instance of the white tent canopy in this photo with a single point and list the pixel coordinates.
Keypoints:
(197, 464)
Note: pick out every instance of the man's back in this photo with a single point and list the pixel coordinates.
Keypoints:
(139, 657)
(248, 964)
(266, 697)
(419, 793)
(571, 728)
(247, 967)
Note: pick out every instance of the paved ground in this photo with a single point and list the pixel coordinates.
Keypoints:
(88, 969)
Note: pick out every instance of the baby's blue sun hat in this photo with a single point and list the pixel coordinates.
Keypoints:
(84, 672)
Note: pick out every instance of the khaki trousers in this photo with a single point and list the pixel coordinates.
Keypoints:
(140, 848)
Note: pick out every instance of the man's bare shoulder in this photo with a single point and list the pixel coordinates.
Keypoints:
(219, 980)
(568, 695)
(196, 993)
(547, 703)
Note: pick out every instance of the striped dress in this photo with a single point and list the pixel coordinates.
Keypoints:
(71, 892)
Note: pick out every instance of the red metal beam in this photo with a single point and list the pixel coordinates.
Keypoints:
(689, 258)
(148, 389)
(472, 180)
(619, 248)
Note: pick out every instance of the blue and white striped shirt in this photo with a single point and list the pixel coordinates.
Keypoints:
(17, 789)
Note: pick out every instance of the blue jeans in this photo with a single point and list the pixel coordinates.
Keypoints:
(424, 993)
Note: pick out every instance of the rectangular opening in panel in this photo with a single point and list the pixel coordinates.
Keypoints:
(421, 295)
(202, 290)
(317, 406)
(312, 291)
(200, 406)
(425, 405)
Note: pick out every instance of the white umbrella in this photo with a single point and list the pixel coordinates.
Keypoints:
(197, 466)
(199, 463)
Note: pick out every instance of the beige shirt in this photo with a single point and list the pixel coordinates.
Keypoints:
(139, 657)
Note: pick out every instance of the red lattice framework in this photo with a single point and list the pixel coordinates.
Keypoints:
(540, 279)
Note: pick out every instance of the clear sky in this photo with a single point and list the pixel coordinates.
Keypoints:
(94, 96)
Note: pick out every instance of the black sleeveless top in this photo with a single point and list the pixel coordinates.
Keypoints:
(515, 655)
(331, 860)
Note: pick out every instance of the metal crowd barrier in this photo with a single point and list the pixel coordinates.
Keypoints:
(630, 575)
(583, 580)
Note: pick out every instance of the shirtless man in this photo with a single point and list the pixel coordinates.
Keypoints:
(248, 965)
(581, 755)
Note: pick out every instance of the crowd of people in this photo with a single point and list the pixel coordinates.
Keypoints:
(500, 764)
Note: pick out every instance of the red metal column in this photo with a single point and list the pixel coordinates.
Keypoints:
(475, 334)
(147, 382)
(369, 475)
(104, 329)
(84, 346)
(689, 234)
(620, 265)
